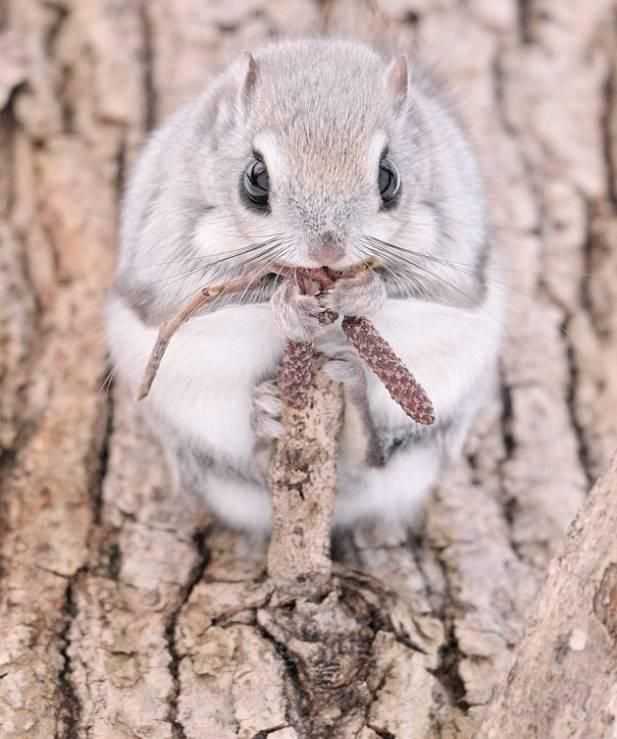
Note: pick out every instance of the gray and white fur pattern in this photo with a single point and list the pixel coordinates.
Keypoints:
(321, 115)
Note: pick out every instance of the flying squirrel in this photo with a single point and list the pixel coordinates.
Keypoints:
(309, 154)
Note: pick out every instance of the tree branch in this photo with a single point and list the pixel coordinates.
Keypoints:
(562, 682)
(303, 474)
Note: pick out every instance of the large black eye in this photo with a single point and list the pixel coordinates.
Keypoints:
(389, 183)
(256, 184)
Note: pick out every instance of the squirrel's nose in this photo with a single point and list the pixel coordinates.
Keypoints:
(327, 249)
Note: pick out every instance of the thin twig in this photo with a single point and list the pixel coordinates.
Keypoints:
(169, 328)
(373, 349)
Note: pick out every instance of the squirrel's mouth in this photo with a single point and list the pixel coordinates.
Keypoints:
(258, 292)
(312, 279)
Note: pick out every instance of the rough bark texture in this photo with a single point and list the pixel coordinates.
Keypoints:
(124, 611)
(562, 683)
(303, 476)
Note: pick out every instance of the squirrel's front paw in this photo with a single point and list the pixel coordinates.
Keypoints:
(296, 315)
(342, 362)
(363, 295)
(266, 411)
(266, 423)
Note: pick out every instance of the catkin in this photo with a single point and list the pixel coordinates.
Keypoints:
(381, 359)
(296, 368)
(296, 373)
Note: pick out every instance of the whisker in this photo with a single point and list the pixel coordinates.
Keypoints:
(406, 259)
(107, 381)
(222, 254)
(227, 255)
(411, 285)
(256, 289)
(423, 255)
(215, 257)
(407, 285)
(226, 264)
(460, 266)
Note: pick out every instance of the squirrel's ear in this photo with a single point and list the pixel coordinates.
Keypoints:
(233, 98)
(397, 80)
(246, 77)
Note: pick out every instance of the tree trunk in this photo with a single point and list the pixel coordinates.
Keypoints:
(563, 682)
(124, 610)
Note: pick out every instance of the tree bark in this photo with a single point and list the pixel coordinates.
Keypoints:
(125, 611)
(563, 681)
(303, 480)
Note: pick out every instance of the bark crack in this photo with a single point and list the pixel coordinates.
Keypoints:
(70, 708)
(50, 39)
(509, 503)
(103, 453)
(120, 179)
(448, 672)
(609, 98)
(374, 695)
(450, 656)
(20, 289)
(264, 733)
(195, 576)
(150, 94)
(584, 455)
(525, 10)
(381, 733)
(291, 670)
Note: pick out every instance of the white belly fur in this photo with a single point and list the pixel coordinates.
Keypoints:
(204, 387)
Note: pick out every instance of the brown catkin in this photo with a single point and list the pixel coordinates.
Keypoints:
(297, 367)
(296, 373)
(381, 359)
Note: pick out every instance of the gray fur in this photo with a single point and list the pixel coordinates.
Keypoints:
(324, 100)
(320, 114)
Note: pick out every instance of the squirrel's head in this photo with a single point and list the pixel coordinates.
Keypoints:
(315, 152)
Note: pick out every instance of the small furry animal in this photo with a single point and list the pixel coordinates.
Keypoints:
(309, 153)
